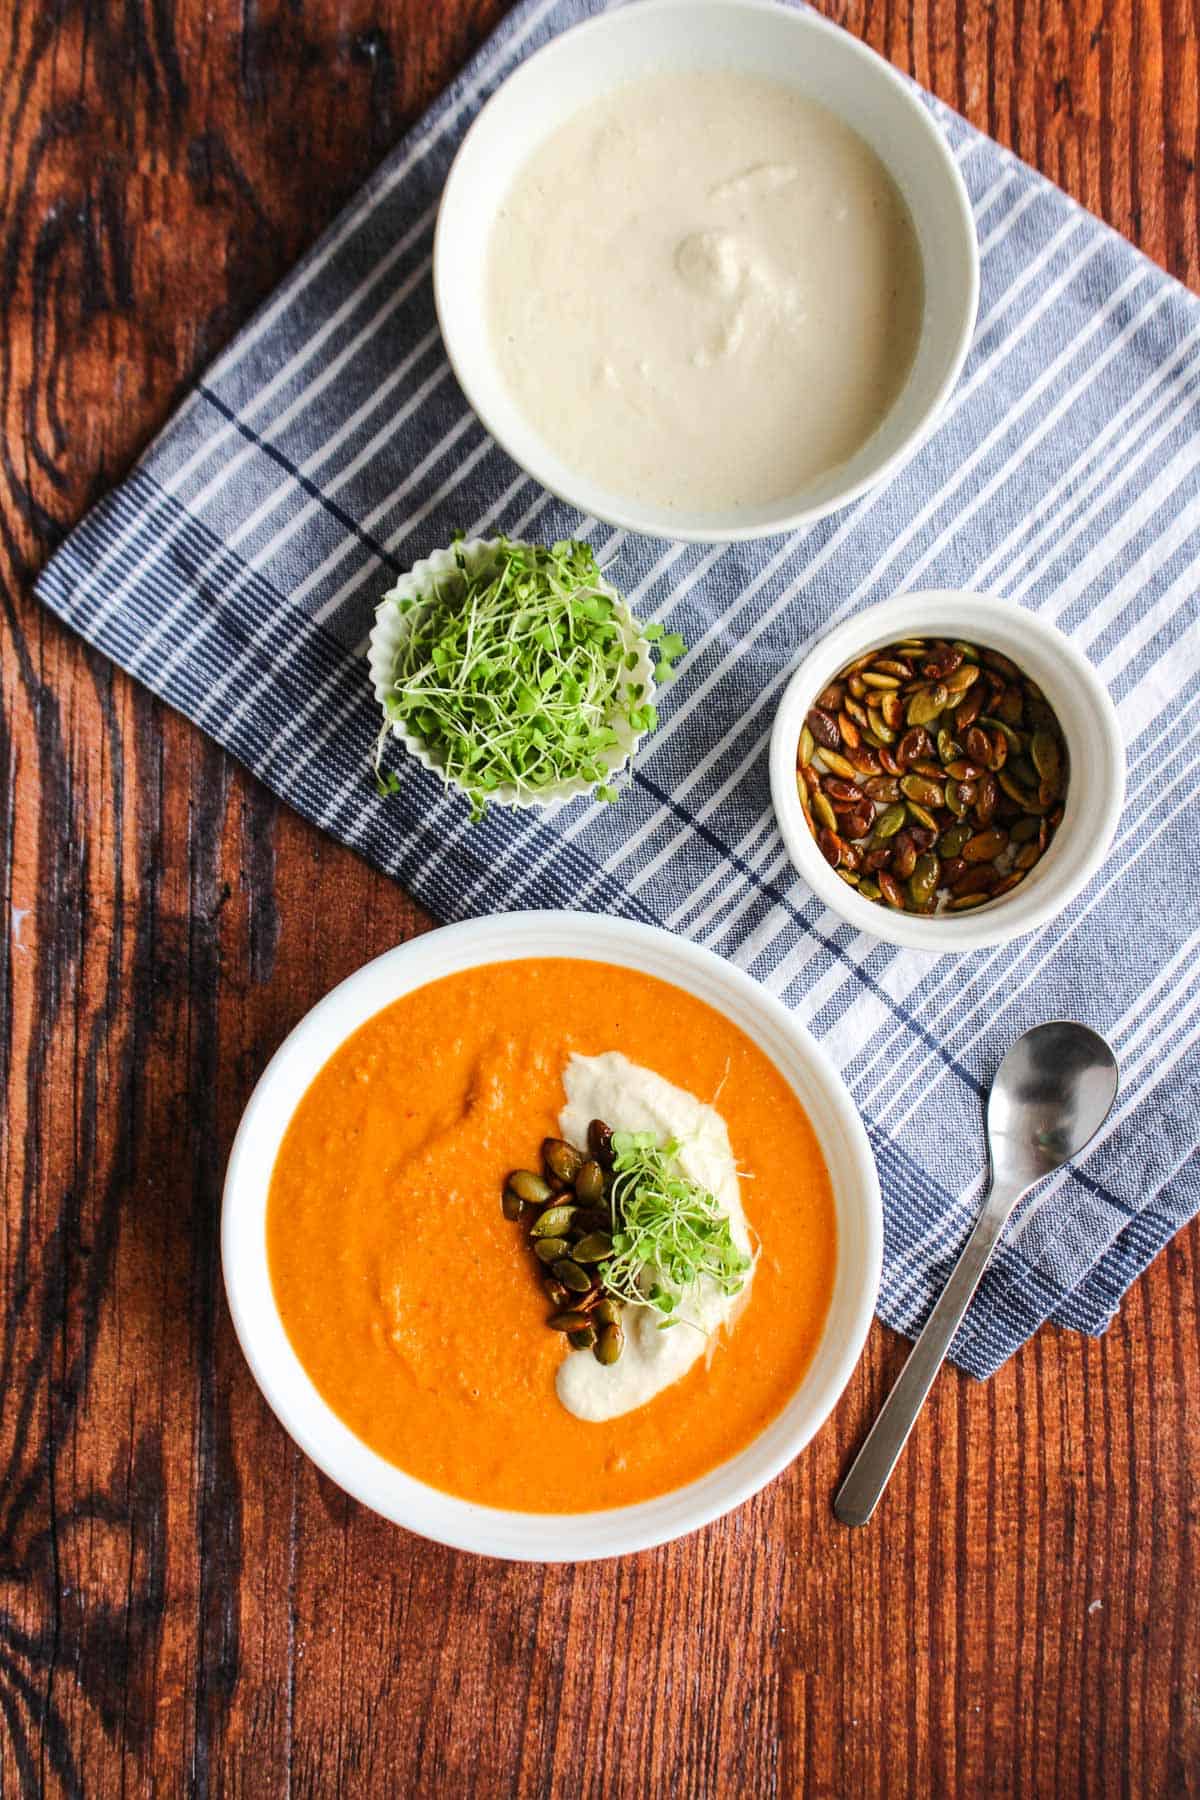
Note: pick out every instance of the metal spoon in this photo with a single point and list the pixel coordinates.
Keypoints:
(1050, 1096)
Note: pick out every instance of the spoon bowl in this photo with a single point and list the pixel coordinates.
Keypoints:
(1050, 1096)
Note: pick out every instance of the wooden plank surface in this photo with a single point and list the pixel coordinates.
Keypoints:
(185, 1604)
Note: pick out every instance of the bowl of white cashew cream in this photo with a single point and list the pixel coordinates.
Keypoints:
(706, 269)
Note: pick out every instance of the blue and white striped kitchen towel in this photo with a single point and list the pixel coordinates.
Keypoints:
(236, 572)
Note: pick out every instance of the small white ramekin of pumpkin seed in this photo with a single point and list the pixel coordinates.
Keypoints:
(947, 771)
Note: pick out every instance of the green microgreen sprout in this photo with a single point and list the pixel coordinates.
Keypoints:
(670, 1233)
(517, 669)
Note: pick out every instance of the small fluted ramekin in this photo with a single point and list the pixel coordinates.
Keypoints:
(392, 624)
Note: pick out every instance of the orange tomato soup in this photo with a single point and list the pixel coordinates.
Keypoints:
(416, 1307)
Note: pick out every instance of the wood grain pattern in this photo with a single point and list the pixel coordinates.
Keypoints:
(186, 1606)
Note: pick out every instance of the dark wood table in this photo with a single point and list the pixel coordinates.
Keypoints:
(185, 1604)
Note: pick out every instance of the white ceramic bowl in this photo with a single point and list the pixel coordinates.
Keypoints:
(1095, 789)
(821, 62)
(379, 1484)
(391, 627)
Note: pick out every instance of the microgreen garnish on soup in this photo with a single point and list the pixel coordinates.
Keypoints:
(671, 1235)
(519, 668)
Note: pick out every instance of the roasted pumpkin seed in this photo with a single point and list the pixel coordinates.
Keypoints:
(530, 1187)
(904, 860)
(924, 880)
(969, 708)
(562, 1159)
(941, 663)
(1011, 707)
(599, 1137)
(830, 846)
(554, 1222)
(924, 706)
(913, 745)
(822, 808)
(986, 796)
(985, 846)
(549, 1250)
(589, 1183)
(856, 824)
(570, 1274)
(1043, 750)
(922, 815)
(889, 822)
(594, 1248)
(978, 745)
(823, 727)
(1003, 727)
(610, 1344)
(838, 765)
(1027, 801)
(892, 892)
(923, 790)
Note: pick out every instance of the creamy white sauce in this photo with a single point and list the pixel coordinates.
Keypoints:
(704, 290)
(632, 1098)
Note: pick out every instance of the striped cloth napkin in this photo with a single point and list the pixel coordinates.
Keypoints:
(235, 574)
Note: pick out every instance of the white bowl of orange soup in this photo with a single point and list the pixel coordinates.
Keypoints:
(389, 1311)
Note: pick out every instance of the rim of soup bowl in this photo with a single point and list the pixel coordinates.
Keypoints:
(388, 1489)
(707, 34)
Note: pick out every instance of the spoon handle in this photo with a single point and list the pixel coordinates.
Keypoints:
(872, 1467)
